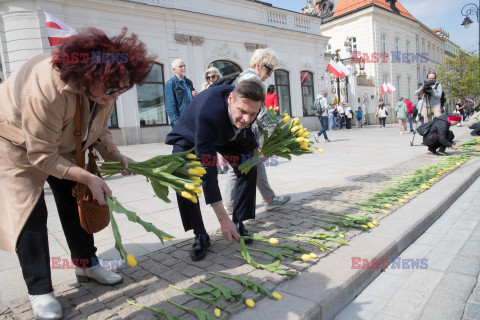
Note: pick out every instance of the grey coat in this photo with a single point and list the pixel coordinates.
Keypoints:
(434, 98)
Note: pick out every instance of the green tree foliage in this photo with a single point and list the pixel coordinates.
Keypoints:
(459, 75)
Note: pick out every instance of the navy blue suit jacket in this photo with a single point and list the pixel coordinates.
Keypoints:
(205, 124)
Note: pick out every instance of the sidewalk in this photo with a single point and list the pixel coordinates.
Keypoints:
(354, 160)
(451, 252)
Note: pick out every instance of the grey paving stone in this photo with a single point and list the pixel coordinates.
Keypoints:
(470, 249)
(423, 281)
(442, 308)
(439, 261)
(456, 286)
(406, 304)
(472, 311)
(363, 307)
(465, 265)
(385, 286)
(430, 239)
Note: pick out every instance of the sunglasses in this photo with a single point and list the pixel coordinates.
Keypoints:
(211, 77)
(269, 70)
(111, 91)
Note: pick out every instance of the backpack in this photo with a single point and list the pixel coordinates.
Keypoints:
(228, 80)
(424, 129)
(317, 105)
(443, 100)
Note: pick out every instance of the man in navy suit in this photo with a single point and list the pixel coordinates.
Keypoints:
(218, 120)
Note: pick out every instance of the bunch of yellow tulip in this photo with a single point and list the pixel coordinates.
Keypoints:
(287, 139)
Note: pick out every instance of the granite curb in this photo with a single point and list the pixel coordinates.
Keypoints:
(327, 287)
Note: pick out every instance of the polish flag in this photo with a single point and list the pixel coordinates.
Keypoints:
(305, 76)
(344, 71)
(384, 88)
(334, 68)
(390, 88)
(468, 100)
(57, 30)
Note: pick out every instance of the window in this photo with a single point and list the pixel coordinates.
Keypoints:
(354, 44)
(409, 87)
(419, 80)
(423, 47)
(408, 47)
(424, 75)
(113, 121)
(151, 98)
(306, 81)
(429, 53)
(398, 88)
(385, 96)
(383, 44)
(397, 45)
(416, 46)
(282, 84)
(328, 47)
(226, 67)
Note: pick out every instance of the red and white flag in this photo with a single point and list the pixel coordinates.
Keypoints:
(468, 100)
(334, 68)
(57, 30)
(305, 75)
(390, 88)
(384, 88)
(344, 72)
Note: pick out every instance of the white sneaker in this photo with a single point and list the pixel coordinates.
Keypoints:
(46, 306)
(401, 132)
(98, 274)
(277, 201)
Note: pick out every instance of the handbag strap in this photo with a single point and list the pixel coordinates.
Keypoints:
(78, 136)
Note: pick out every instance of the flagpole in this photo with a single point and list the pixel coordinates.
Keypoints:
(337, 57)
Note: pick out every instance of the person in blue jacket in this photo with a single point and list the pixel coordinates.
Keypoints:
(179, 91)
(218, 120)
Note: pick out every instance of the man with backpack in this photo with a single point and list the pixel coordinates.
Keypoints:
(436, 135)
(321, 105)
(409, 112)
(432, 96)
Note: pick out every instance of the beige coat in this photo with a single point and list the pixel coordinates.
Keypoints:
(36, 139)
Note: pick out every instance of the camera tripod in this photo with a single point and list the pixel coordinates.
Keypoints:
(427, 102)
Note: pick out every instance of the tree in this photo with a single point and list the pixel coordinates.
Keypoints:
(459, 75)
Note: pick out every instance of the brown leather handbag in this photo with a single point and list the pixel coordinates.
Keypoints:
(93, 216)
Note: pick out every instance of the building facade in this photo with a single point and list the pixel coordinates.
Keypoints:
(385, 40)
(221, 33)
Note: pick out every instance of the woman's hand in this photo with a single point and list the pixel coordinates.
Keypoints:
(119, 157)
(99, 188)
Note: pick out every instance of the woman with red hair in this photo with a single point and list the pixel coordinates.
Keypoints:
(37, 145)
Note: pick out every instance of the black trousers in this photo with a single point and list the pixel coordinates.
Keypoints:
(32, 244)
(349, 123)
(245, 190)
(437, 145)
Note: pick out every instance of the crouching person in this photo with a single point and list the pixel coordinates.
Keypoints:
(439, 136)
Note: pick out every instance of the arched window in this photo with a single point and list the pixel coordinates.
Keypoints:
(308, 95)
(385, 96)
(354, 44)
(397, 45)
(113, 121)
(151, 98)
(226, 67)
(282, 84)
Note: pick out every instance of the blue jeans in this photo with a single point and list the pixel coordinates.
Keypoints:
(330, 122)
(341, 120)
(335, 122)
(475, 129)
(324, 122)
(409, 117)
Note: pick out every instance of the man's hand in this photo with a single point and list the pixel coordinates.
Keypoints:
(453, 146)
(194, 93)
(229, 230)
(119, 157)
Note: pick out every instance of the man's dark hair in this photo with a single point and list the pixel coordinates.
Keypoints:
(250, 89)
(433, 74)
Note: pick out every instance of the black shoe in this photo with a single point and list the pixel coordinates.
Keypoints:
(199, 249)
(432, 150)
(442, 153)
(242, 231)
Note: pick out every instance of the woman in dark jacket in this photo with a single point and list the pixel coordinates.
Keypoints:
(439, 137)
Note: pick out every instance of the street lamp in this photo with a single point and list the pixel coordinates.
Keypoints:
(470, 10)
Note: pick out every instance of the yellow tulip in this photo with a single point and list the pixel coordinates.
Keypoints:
(375, 223)
(197, 190)
(424, 186)
(307, 141)
(406, 197)
(250, 303)
(387, 205)
(295, 128)
(194, 199)
(364, 226)
(384, 211)
(194, 172)
(285, 119)
(312, 255)
(186, 195)
(301, 139)
(201, 170)
(415, 192)
(191, 156)
(370, 225)
(189, 186)
(198, 163)
(295, 121)
(343, 242)
(300, 132)
(196, 179)
(217, 312)
(411, 193)
(306, 257)
(320, 150)
(305, 134)
(341, 236)
(401, 200)
(273, 240)
(131, 260)
(277, 296)
(321, 249)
